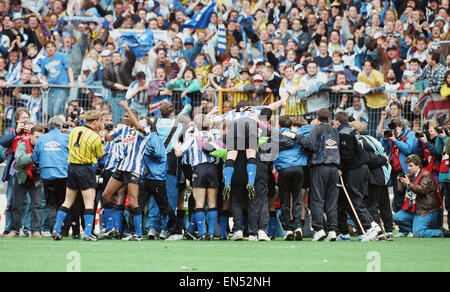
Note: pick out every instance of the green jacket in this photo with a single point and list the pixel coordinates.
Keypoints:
(443, 144)
(22, 160)
(193, 86)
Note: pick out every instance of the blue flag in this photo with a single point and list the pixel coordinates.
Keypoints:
(201, 19)
(139, 41)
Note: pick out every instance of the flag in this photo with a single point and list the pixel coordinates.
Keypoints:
(34, 5)
(139, 41)
(201, 19)
(222, 39)
(434, 107)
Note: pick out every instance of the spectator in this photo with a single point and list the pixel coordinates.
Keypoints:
(56, 70)
(137, 94)
(434, 72)
(117, 77)
(310, 83)
(420, 208)
(376, 98)
(189, 87)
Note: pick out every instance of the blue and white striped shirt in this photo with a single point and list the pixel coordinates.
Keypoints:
(114, 154)
(141, 97)
(192, 153)
(248, 112)
(34, 106)
(134, 144)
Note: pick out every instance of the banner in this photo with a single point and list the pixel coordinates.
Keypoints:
(434, 107)
(139, 41)
(34, 5)
(201, 19)
(161, 35)
(99, 20)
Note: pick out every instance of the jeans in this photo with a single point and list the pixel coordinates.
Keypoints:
(45, 222)
(20, 192)
(117, 110)
(142, 109)
(57, 98)
(420, 226)
(154, 217)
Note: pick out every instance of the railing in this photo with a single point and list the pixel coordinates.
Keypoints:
(202, 101)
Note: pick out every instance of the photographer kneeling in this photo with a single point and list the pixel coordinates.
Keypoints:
(420, 208)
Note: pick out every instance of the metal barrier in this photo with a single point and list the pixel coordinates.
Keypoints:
(202, 101)
(233, 96)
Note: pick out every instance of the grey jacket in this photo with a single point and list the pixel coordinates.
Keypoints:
(76, 54)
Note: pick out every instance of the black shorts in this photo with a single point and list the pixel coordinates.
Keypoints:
(126, 177)
(81, 177)
(242, 134)
(205, 176)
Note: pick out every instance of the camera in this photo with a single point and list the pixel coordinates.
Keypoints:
(421, 134)
(66, 125)
(402, 174)
(74, 115)
(442, 130)
(109, 127)
(388, 134)
(35, 171)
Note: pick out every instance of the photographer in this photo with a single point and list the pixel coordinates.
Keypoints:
(419, 210)
(50, 156)
(443, 148)
(10, 141)
(398, 143)
(26, 181)
(425, 148)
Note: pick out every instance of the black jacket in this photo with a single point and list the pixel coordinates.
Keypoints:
(322, 145)
(352, 153)
(375, 163)
(125, 72)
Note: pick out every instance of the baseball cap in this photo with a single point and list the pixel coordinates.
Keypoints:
(257, 77)
(66, 34)
(189, 41)
(106, 53)
(298, 67)
(56, 121)
(378, 35)
(243, 69)
(391, 48)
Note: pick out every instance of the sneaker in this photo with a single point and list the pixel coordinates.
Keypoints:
(237, 236)
(76, 236)
(371, 234)
(25, 233)
(164, 234)
(251, 191)
(6, 232)
(343, 237)
(223, 238)
(136, 238)
(151, 235)
(446, 233)
(90, 238)
(363, 238)
(175, 237)
(389, 236)
(127, 237)
(410, 235)
(210, 237)
(252, 238)
(319, 235)
(289, 236)
(189, 236)
(46, 234)
(204, 237)
(401, 234)
(226, 193)
(298, 234)
(36, 234)
(56, 235)
(12, 234)
(376, 228)
(107, 234)
(262, 236)
(381, 237)
(331, 236)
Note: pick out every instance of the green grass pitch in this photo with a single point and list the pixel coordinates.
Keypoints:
(404, 254)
